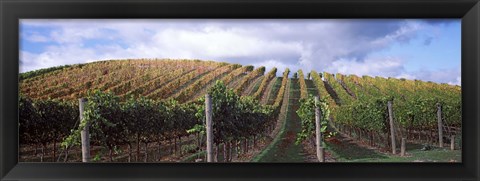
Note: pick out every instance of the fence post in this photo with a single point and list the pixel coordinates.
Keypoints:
(318, 133)
(402, 148)
(85, 134)
(209, 128)
(392, 127)
(452, 142)
(440, 129)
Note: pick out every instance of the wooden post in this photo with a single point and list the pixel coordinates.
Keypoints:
(85, 135)
(452, 142)
(440, 129)
(216, 154)
(322, 154)
(392, 127)
(209, 128)
(318, 127)
(402, 148)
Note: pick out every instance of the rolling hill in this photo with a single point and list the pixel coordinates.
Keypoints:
(357, 105)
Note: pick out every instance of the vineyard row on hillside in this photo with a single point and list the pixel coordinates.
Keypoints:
(359, 107)
(118, 124)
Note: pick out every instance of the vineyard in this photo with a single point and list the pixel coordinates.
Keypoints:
(152, 110)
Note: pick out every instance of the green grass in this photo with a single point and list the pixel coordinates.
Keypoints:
(435, 155)
(257, 85)
(274, 91)
(192, 157)
(351, 152)
(283, 147)
(311, 89)
(268, 151)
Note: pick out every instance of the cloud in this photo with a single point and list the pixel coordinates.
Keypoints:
(36, 37)
(278, 64)
(215, 42)
(375, 66)
(450, 76)
(458, 81)
(406, 76)
(55, 56)
(344, 46)
(428, 41)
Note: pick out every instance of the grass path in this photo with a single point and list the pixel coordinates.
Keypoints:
(268, 91)
(346, 149)
(274, 91)
(250, 90)
(340, 148)
(309, 149)
(234, 83)
(284, 149)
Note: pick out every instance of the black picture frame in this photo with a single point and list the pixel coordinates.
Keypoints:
(12, 11)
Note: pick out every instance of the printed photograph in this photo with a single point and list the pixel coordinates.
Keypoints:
(240, 90)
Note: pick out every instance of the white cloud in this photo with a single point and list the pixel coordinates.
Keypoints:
(404, 33)
(458, 81)
(375, 66)
(406, 76)
(324, 45)
(214, 43)
(450, 76)
(55, 56)
(269, 64)
(35, 37)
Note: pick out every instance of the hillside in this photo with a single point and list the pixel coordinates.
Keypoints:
(183, 80)
(180, 79)
(357, 106)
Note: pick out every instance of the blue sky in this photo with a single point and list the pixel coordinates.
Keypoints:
(428, 50)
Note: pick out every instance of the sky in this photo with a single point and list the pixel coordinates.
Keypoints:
(423, 49)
